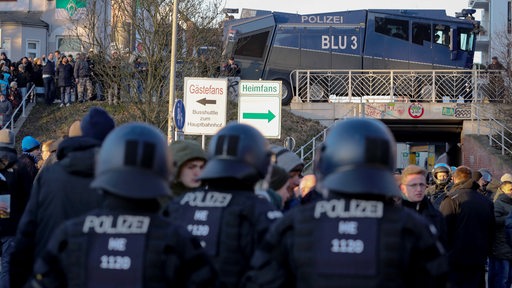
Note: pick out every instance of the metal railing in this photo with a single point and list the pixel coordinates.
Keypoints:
(307, 151)
(353, 86)
(31, 94)
(498, 133)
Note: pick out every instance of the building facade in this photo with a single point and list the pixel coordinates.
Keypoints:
(35, 28)
(496, 21)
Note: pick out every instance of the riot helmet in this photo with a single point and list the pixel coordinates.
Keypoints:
(486, 175)
(237, 151)
(134, 162)
(358, 157)
(441, 168)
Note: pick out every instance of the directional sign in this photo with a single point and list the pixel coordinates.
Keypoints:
(179, 114)
(259, 105)
(205, 103)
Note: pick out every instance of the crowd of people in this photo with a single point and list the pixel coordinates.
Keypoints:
(67, 79)
(111, 206)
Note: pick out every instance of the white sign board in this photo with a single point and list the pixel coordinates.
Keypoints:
(259, 105)
(205, 105)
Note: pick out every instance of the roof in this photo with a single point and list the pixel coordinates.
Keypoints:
(23, 18)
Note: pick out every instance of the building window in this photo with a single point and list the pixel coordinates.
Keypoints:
(32, 49)
(6, 47)
(67, 44)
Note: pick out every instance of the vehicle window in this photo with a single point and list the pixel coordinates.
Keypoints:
(392, 27)
(252, 45)
(442, 34)
(466, 37)
(421, 32)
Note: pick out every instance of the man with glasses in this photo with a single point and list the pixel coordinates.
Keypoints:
(470, 224)
(413, 185)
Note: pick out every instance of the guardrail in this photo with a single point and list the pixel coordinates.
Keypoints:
(498, 133)
(359, 86)
(31, 94)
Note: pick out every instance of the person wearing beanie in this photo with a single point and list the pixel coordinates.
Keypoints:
(96, 124)
(293, 165)
(61, 191)
(28, 161)
(278, 187)
(13, 200)
(188, 161)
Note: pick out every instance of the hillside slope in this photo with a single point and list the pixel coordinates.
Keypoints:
(45, 123)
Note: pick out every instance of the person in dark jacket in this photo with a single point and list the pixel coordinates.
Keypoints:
(500, 262)
(226, 216)
(60, 192)
(470, 225)
(13, 200)
(357, 236)
(83, 78)
(65, 81)
(5, 110)
(147, 250)
(48, 74)
(27, 161)
(412, 185)
(23, 80)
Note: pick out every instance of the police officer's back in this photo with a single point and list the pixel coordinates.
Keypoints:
(126, 243)
(357, 237)
(227, 216)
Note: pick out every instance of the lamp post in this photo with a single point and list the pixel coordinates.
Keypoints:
(172, 74)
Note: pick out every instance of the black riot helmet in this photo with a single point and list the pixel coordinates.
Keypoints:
(358, 157)
(237, 151)
(134, 162)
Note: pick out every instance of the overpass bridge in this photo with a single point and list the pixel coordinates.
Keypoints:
(434, 109)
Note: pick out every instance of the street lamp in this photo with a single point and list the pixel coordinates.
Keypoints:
(172, 74)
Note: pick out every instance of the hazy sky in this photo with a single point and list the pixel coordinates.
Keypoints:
(316, 6)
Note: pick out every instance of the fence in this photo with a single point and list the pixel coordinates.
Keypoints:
(498, 133)
(339, 86)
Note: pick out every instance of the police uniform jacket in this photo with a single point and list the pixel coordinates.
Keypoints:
(501, 248)
(346, 242)
(60, 192)
(125, 244)
(470, 224)
(230, 224)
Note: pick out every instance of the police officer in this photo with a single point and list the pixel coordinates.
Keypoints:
(357, 237)
(127, 243)
(227, 216)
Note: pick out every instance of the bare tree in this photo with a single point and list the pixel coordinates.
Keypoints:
(129, 44)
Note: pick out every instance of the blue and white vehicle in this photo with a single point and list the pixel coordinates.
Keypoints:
(269, 45)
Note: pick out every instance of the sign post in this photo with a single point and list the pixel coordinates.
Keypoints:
(259, 105)
(179, 118)
(206, 104)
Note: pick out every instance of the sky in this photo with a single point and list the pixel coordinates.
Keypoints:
(318, 6)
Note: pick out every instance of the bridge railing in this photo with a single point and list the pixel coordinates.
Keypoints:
(339, 86)
(500, 136)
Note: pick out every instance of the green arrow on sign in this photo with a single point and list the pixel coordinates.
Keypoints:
(269, 116)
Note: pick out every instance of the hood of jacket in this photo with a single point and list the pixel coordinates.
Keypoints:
(77, 155)
(8, 157)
